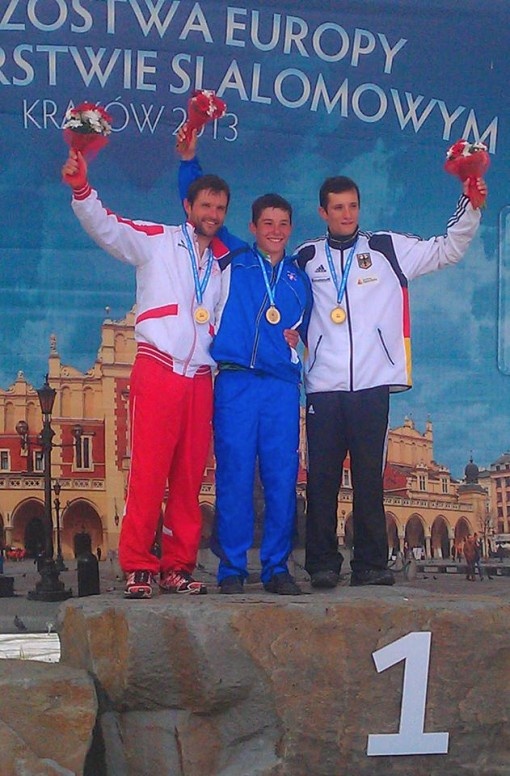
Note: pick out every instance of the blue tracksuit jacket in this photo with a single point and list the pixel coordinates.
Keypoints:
(243, 335)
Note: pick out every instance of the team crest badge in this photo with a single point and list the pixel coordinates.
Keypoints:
(364, 260)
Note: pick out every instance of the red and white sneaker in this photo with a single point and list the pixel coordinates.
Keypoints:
(138, 585)
(181, 582)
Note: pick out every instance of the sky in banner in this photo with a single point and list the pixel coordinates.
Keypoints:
(375, 91)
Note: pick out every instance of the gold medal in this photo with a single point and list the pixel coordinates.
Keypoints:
(338, 315)
(273, 315)
(201, 315)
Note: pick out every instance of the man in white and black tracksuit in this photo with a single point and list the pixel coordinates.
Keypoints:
(358, 352)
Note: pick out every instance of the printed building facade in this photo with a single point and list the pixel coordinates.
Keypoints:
(425, 508)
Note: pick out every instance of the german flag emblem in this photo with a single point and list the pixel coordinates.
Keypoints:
(364, 260)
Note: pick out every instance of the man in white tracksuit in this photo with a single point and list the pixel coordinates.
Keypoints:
(359, 352)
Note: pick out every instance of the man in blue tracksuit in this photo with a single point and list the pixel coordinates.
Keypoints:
(256, 396)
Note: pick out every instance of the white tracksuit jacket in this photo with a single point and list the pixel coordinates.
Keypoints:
(372, 347)
(165, 292)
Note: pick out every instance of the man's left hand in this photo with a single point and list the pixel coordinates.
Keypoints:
(480, 185)
(187, 149)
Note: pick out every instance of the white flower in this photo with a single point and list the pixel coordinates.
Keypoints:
(464, 148)
(90, 120)
(72, 123)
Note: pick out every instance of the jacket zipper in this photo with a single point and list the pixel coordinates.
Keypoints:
(316, 348)
(351, 342)
(384, 346)
(194, 343)
(259, 316)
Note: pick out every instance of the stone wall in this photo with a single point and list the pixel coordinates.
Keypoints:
(47, 715)
(256, 685)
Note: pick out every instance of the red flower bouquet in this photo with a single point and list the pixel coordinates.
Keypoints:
(203, 106)
(86, 128)
(468, 161)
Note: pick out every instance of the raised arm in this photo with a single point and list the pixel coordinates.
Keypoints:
(418, 257)
(124, 239)
(189, 170)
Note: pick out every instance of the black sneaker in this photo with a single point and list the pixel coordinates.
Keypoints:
(232, 584)
(282, 584)
(325, 579)
(372, 577)
(181, 582)
(138, 585)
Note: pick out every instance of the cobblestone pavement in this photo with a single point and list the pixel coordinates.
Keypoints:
(39, 616)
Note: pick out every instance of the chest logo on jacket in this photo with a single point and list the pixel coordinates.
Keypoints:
(364, 260)
(320, 274)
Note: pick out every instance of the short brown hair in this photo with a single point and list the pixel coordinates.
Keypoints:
(337, 185)
(207, 183)
(269, 200)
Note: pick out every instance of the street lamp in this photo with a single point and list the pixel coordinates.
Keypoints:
(56, 503)
(46, 396)
(50, 587)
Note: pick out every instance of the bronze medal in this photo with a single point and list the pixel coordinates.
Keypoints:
(338, 315)
(201, 315)
(273, 315)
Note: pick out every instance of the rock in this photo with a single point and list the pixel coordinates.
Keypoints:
(47, 716)
(266, 686)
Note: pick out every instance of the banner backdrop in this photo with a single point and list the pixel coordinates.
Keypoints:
(377, 91)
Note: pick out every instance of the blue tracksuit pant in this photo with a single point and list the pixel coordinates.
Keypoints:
(254, 415)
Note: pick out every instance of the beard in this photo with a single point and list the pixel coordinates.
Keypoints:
(206, 231)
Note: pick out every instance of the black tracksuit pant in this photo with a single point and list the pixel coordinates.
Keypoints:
(338, 422)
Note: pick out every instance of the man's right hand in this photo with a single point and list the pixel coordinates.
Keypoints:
(74, 171)
(187, 150)
(291, 337)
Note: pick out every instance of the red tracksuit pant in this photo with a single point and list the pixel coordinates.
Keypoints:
(170, 438)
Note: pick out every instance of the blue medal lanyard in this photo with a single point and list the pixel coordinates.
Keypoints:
(200, 285)
(263, 262)
(340, 289)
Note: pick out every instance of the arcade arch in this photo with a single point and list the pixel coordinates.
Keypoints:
(391, 530)
(415, 532)
(439, 538)
(462, 529)
(80, 527)
(392, 534)
(28, 527)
